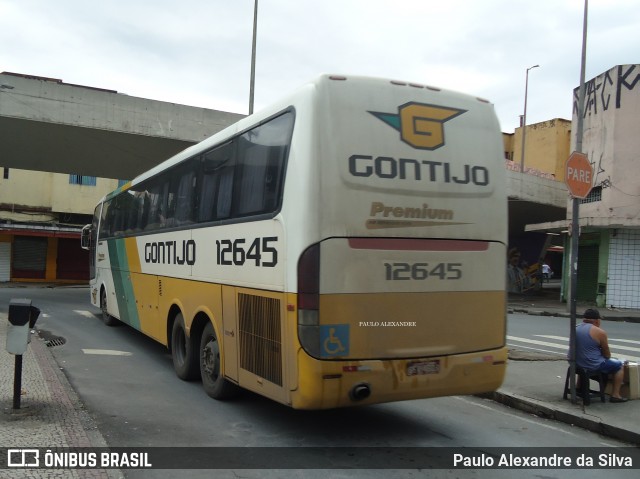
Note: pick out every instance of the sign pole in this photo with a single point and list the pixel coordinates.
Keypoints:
(17, 381)
(575, 223)
(573, 288)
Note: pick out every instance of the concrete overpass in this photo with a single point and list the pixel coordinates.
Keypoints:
(533, 200)
(49, 125)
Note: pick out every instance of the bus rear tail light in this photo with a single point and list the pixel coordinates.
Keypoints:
(309, 300)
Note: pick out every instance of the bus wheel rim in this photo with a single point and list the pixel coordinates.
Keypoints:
(210, 358)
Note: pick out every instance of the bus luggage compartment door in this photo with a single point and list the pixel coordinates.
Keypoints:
(401, 298)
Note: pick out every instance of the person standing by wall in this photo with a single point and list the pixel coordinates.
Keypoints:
(515, 275)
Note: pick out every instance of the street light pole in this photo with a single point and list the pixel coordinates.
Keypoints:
(524, 117)
(253, 56)
(575, 218)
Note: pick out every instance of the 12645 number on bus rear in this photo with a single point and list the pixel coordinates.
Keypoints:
(422, 271)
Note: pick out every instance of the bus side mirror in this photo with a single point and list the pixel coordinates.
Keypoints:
(85, 238)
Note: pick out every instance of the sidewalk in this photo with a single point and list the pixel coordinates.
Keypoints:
(535, 382)
(547, 303)
(52, 415)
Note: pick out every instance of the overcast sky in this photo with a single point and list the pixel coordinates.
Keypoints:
(198, 52)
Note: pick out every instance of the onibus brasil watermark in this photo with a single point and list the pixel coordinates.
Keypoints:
(72, 459)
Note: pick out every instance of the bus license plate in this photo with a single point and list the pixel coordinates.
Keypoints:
(423, 367)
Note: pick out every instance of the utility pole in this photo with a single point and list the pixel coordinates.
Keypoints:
(575, 216)
(524, 117)
(253, 56)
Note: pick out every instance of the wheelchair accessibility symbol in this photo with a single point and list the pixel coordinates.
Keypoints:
(334, 339)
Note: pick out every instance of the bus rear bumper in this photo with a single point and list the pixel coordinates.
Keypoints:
(333, 384)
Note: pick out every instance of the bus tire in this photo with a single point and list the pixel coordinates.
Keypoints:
(215, 385)
(106, 317)
(183, 352)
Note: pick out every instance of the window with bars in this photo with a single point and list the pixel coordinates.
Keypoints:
(82, 180)
(594, 195)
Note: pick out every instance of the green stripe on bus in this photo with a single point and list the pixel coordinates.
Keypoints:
(122, 283)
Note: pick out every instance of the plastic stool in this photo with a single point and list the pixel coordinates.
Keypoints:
(585, 384)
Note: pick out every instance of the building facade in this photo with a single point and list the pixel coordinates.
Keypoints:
(609, 251)
(41, 217)
(546, 148)
(609, 217)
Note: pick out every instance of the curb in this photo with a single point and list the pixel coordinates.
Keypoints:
(540, 409)
(537, 312)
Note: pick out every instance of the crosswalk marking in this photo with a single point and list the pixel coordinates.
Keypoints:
(561, 338)
(624, 340)
(564, 338)
(106, 352)
(559, 353)
(85, 313)
(617, 350)
(535, 341)
(612, 342)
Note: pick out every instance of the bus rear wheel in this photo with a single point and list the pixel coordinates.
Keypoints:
(215, 385)
(183, 352)
(106, 317)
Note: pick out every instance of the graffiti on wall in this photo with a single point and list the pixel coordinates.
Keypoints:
(607, 90)
(513, 166)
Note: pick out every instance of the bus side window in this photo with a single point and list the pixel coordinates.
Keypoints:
(181, 195)
(143, 211)
(216, 183)
(272, 185)
(158, 195)
(184, 198)
(207, 192)
(225, 193)
(119, 216)
(262, 153)
(251, 183)
(129, 204)
(105, 220)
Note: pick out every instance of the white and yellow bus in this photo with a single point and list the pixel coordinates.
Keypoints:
(345, 246)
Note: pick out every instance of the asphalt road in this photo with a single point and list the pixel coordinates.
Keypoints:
(127, 382)
(550, 335)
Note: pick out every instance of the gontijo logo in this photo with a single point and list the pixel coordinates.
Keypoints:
(420, 125)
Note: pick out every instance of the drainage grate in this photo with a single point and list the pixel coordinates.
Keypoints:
(55, 342)
(51, 340)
